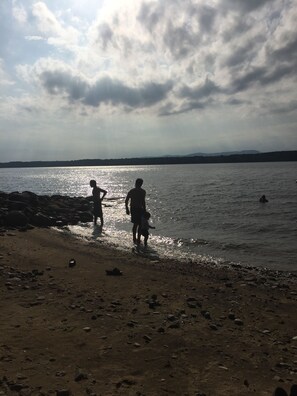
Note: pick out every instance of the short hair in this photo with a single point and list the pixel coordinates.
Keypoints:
(139, 182)
(92, 183)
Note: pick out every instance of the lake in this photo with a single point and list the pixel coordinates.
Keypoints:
(205, 212)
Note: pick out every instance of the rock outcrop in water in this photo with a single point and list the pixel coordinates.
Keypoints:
(26, 209)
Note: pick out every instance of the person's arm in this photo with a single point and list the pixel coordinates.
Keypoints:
(127, 202)
(104, 192)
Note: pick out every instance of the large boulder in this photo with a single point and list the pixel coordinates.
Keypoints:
(85, 217)
(41, 220)
(17, 205)
(15, 218)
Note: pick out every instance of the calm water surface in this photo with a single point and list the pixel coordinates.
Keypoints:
(202, 212)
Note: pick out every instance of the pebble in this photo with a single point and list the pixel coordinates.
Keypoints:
(87, 329)
(63, 392)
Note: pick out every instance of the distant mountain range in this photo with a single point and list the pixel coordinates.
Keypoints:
(213, 154)
(223, 153)
(195, 158)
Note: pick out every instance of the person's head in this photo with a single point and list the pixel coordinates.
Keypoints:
(138, 183)
(93, 183)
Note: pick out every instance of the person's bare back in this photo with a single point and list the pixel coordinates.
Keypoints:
(137, 197)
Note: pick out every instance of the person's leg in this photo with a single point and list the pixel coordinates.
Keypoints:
(95, 219)
(134, 230)
(101, 220)
(138, 234)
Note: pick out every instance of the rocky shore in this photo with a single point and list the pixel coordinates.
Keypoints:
(27, 209)
(83, 319)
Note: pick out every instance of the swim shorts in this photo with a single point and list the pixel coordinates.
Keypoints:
(97, 209)
(136, 214)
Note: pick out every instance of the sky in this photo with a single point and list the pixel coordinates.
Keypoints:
(126, 78)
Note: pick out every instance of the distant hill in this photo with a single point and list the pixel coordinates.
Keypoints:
(223, 153)
(275, 156)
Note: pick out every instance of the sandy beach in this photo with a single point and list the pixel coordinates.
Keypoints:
(160, 328)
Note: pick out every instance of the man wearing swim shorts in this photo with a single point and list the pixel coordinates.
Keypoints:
(97, 201)
(136, 197)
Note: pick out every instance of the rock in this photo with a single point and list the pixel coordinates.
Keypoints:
(72, 263)
(63, 392)
(41, 220)
(280, 392)
(80, 375)
(171, 318)
(206, 314)
(114, 272)
(213, 326)
(85, 217)
(174, 325)
(239, 322)
(42, 211)
(16, 218)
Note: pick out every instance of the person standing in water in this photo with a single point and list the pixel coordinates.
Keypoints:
(97, 200)
(136, 198)
(145, 226)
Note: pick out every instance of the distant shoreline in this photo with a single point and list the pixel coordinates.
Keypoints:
(276, 156)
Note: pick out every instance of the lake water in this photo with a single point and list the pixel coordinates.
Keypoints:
(205, 212)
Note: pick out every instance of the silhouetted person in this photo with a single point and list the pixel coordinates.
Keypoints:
(136, 197)
(280, 392)
(263, 199)
(145, 226)
(97, 200)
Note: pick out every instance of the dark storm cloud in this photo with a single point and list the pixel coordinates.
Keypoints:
(105, 90)
(201, 91)
(286, 108)
(180, 40)
(245, 5)
(235, 102)
(245, 53)
(235, 31)
(261, 76)
(149, 15)
(206, 16)
(287, 53)
(279, 63)
(180, 35)
(169, 110)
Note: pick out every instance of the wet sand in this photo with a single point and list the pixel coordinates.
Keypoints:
(160, 328)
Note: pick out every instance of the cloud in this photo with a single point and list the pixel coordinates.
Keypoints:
(201, 91)
(50, 26)
(245, 6)
(19, 13)
(104, 90)
(34, 38)
(5, 80)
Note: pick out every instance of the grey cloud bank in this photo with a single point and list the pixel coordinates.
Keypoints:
(146, 78)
